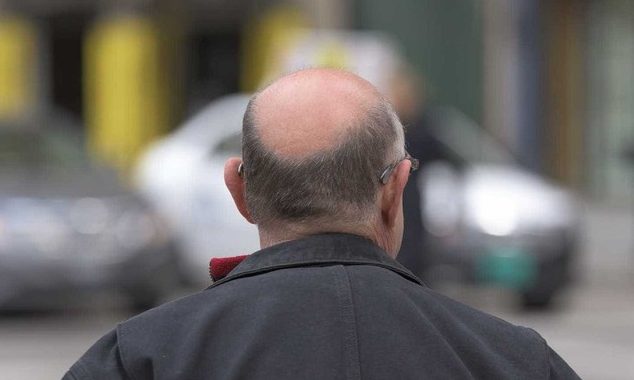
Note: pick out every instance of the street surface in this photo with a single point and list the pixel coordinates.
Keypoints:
(592, 329)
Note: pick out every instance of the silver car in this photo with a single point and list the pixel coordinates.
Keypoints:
(70, 230)
(491, 221)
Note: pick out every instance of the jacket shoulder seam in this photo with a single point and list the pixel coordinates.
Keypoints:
(351, 336)
(122, 356)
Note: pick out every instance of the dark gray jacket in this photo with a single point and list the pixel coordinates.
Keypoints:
(331, 306)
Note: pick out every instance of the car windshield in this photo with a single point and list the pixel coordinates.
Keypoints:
(467, 139)
(41, 148)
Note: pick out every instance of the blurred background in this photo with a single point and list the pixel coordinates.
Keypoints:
(116, 117)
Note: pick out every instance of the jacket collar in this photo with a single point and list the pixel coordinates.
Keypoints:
(331, 248)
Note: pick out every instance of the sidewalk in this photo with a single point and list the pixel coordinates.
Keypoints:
(607, 246)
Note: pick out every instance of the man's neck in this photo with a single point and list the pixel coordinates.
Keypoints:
(270, 237)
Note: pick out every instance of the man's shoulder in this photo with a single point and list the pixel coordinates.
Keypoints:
(485, 323)
(176, 312)
(414, 316)
(199, 309)
(125, 351)
(450, 317)
(425, 295)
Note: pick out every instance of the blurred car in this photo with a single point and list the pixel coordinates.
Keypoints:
(182, 175)
(68, 227)
(492, 221)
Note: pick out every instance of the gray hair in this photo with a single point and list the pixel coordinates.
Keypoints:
(338, 185)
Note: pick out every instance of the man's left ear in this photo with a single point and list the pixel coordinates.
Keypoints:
(392, 196)
(235, 184)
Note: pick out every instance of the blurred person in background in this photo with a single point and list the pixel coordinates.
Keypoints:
(406, 93)
(322, 176)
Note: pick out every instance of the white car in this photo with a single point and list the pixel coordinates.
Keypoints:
(182, 175)
(493, 221)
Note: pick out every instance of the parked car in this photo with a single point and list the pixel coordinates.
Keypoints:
(69, 228)
(492, 221)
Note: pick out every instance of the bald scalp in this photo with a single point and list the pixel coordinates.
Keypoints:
(313, 146)
(311, 110)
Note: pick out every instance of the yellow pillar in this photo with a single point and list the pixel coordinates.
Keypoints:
(17, 67)
(275, 31)
(126, 103)
(565, 91)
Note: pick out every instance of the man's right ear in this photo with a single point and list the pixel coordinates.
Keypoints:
(235, 184)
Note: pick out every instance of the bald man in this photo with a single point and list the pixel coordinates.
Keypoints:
(322, 177)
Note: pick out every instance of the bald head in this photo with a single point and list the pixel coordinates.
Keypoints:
(312, 110)
(314, 145)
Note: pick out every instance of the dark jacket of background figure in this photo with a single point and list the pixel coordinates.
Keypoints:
(330, 306)
(421, 144)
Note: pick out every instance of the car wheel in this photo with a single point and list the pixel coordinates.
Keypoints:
(537, 299)
(551, 278)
